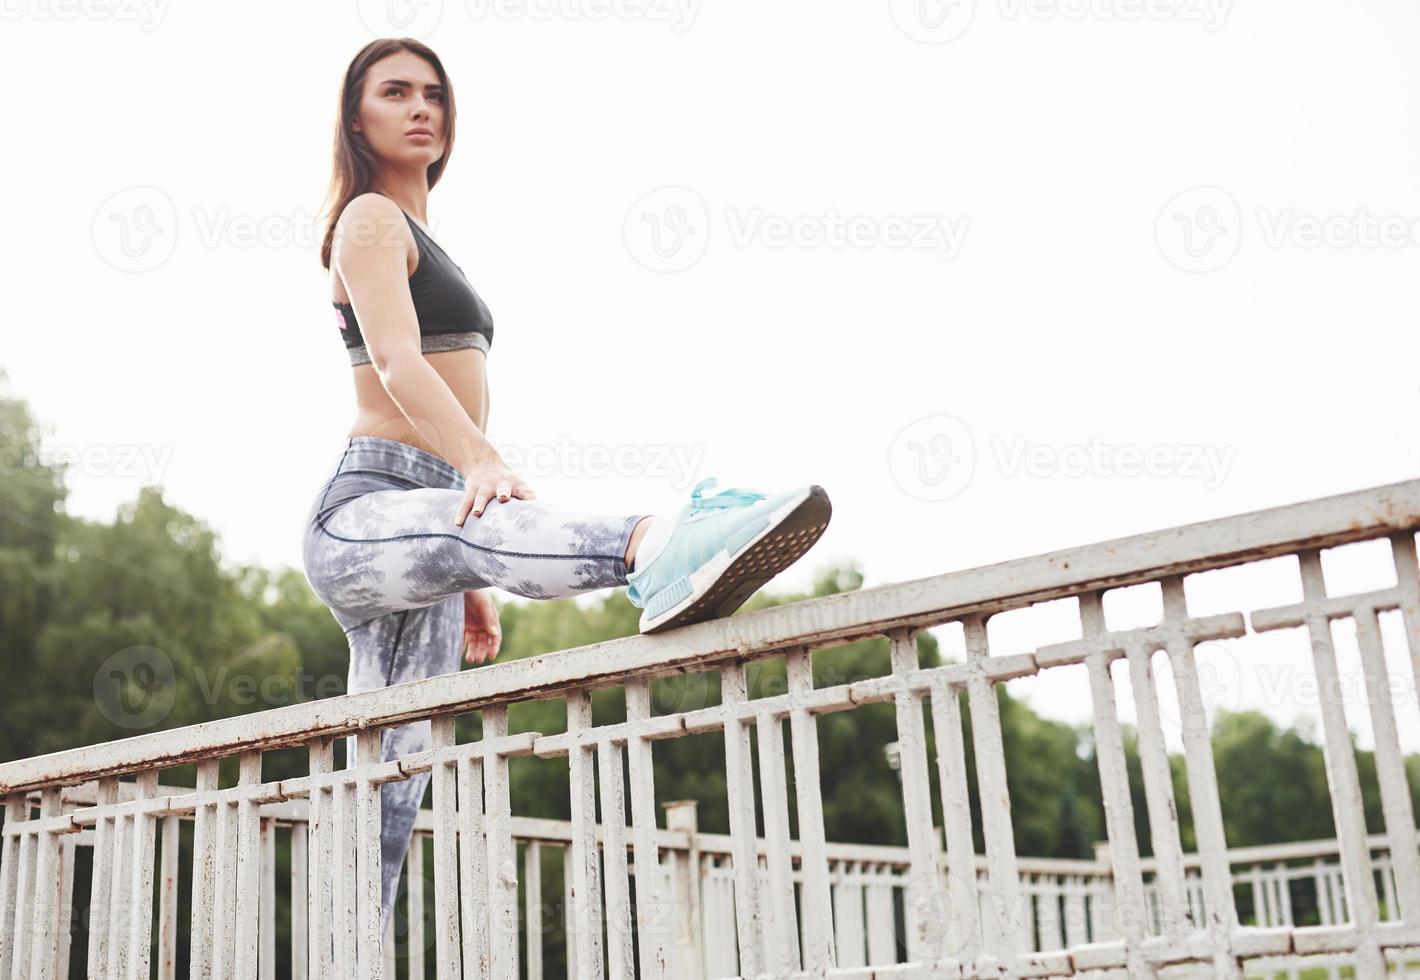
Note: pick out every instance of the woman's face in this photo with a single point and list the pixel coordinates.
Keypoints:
(401, 97)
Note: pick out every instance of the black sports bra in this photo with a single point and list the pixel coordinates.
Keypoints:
(451, 314)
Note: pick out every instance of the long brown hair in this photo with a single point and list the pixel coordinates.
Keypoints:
(355, 165)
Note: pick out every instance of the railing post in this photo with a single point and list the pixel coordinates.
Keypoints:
(689, 958)
(739, 789)
(168, 900)
(300, 895)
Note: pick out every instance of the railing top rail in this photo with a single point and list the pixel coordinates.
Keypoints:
(915, 604)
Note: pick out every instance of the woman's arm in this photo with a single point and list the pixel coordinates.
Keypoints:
(371, 254)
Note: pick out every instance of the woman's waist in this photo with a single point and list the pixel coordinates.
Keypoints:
(463, 372)
(393, 458)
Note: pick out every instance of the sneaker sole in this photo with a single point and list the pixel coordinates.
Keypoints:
(725, 582)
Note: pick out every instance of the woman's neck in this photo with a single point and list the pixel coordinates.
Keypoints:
(413, 199)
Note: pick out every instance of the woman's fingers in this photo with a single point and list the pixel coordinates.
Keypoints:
(471, 505)
(503, 491)
(481, 646)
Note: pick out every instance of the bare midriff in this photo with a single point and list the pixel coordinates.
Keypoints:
(465, 371)
(376, 414)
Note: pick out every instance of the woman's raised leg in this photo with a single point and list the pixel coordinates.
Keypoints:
(390, 550)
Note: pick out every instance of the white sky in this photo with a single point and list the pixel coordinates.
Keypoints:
(1076, 223)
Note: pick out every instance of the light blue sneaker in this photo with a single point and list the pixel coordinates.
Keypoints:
(722, 549)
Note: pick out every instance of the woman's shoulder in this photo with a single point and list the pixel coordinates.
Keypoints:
(371, 219)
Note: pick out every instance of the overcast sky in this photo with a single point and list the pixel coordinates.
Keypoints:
(966, 265)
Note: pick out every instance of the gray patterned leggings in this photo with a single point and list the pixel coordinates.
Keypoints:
(383, 552)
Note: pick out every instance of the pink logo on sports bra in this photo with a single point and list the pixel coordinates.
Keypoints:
(340, 319)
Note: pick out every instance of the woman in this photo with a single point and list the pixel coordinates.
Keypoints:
(419, 515)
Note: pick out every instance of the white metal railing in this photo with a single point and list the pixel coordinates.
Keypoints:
(775, 896)
(1069, 901)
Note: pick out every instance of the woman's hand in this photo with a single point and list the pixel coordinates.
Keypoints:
(482, 635)
(486, 481)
